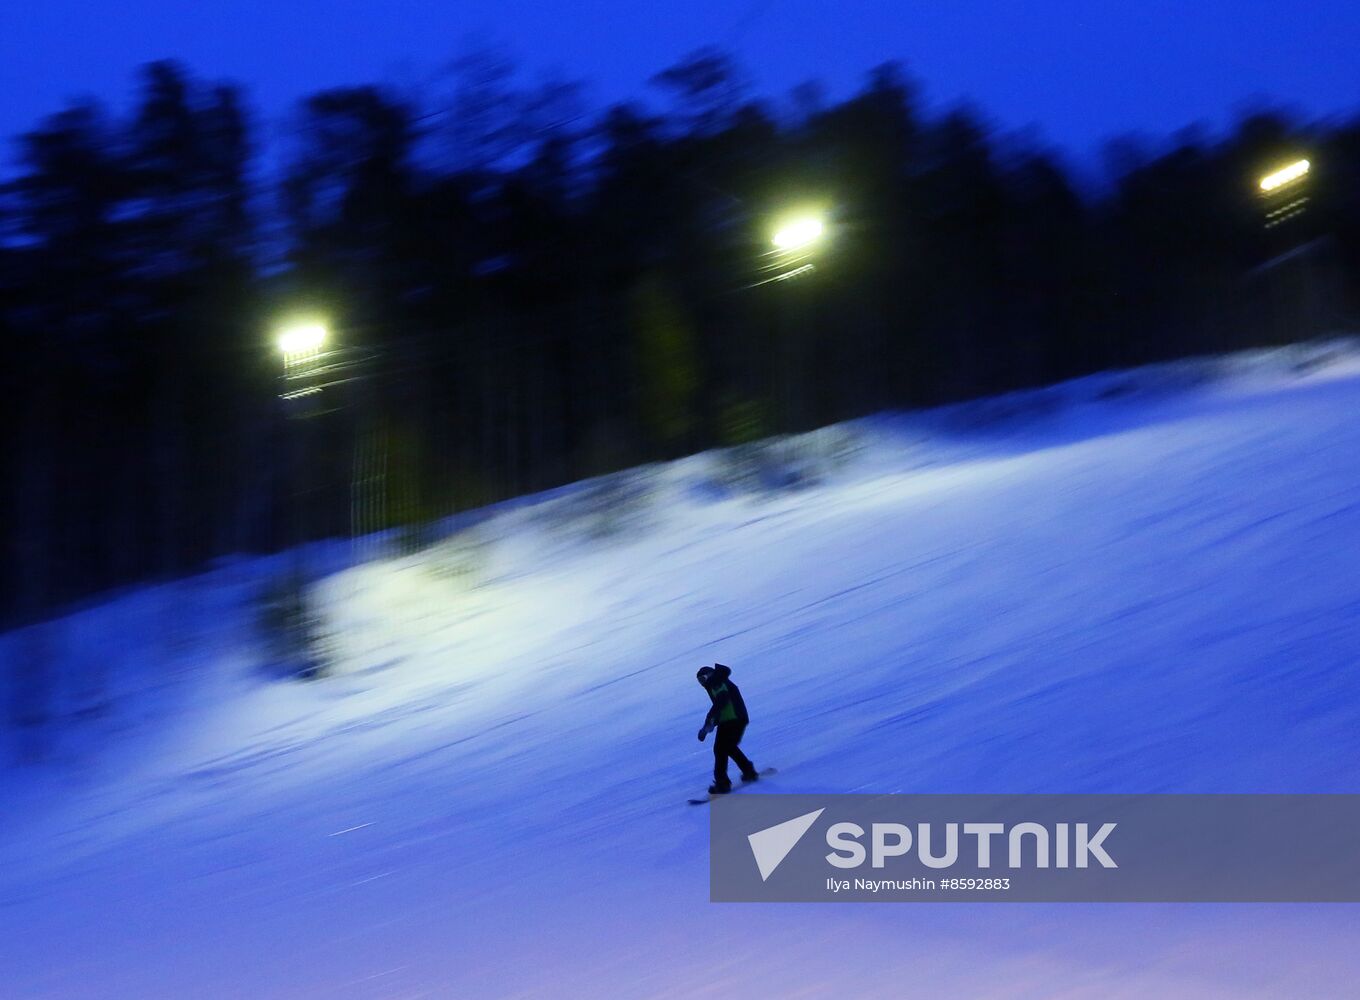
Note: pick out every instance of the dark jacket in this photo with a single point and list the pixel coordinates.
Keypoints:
(728, 705)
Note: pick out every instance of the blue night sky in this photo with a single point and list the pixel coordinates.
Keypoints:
(1080, 71)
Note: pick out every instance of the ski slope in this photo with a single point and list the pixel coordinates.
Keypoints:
(1137, 582)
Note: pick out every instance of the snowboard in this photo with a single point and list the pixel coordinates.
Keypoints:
(764, 773)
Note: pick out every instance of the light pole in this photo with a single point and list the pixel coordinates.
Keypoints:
(796, 240)
(1284, 193)
(302, 347)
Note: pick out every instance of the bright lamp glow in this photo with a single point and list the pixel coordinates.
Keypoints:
(1285, 175)
(798, 233)
(302, 339)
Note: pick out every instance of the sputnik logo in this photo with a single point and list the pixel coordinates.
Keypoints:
(772, 845)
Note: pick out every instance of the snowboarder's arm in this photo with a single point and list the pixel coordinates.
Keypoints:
(711, 719)
(720, 701)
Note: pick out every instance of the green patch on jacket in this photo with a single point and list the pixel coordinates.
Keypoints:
(727, 713)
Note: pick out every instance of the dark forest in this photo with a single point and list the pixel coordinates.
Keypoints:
(523, 291)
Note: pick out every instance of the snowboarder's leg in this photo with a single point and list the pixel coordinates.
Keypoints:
(748, 770)
(725, 747)
(722, 749)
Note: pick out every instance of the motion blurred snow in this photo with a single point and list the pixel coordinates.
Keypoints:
(1135, 582)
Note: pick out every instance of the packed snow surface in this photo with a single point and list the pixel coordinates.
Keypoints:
(1137, 582)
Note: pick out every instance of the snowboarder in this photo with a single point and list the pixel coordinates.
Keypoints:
(728, 716)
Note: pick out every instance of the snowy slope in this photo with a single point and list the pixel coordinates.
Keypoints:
(1129, 583)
